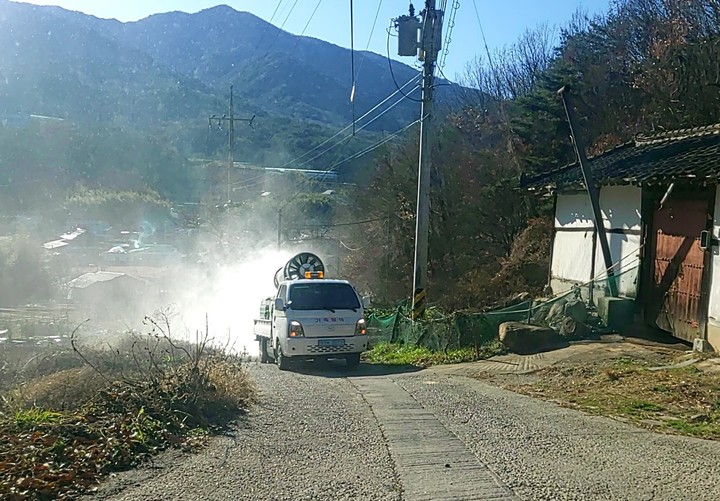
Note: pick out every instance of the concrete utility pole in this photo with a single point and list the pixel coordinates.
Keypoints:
(592, 190)
(429, 46)
(230, 118)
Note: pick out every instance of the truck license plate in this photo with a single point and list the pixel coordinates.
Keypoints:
(331, 342)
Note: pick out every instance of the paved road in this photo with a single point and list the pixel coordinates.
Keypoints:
(424, 435)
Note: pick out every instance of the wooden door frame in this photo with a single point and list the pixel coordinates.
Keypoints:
(647, 208)
(706, 282)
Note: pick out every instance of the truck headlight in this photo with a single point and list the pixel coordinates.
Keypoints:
(295, 329)
(360, 327)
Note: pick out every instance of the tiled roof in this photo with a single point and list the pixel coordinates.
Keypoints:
(688, 154)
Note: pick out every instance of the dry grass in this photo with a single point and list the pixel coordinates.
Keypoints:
(66, 390)
(682, 400)
(70, 415)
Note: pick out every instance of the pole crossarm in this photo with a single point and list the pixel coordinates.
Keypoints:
(231, 119)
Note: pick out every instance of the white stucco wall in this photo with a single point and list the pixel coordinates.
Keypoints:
(572, 255)
(626, 249)
(572, 250)
(573, 211)
(620, 207)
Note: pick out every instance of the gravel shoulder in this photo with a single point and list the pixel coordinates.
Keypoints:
(310, 437)
(543, 451)
(343, 439)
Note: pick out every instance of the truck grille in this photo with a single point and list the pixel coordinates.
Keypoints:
(331, 349)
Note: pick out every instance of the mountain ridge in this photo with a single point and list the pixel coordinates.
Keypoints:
(164, 75)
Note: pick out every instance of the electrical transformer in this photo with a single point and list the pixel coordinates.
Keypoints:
(407, 28)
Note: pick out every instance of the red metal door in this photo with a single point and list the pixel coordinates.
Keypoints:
(678, 265)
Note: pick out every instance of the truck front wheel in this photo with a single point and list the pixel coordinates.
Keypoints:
(282, 361)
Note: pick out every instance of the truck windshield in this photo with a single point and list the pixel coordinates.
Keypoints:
(323, 296)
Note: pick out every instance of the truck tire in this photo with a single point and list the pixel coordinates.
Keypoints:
(282, 361)
(352, 360)
(264, 357)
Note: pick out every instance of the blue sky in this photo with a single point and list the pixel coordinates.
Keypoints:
(502, 21)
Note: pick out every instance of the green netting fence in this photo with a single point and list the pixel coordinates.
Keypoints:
(463, 329)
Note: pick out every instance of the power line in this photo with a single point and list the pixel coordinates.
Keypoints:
(315, 148)
(333, 225)
(448, 37)
(280, 29)
(500, 98)
(357, 155)
(262, 36)
(376, 145)
(267, 26)
(367, 45)
(347, 138)
(317, 6)
(287, 17)
(367, 150)
(351, 135)
(482, 33)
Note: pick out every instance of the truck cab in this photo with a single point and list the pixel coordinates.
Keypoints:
(312, 318)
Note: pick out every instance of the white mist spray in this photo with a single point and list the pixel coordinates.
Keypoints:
(230, 296)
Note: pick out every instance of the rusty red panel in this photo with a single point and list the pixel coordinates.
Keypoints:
(678, 266)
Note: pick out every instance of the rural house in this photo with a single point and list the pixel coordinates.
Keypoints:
(665, 255)
(110, 295)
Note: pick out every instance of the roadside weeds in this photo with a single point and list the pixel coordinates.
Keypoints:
(61, 432)
(418, 356)
(679, 400)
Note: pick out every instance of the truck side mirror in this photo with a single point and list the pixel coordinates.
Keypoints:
(279, 304)
(366, 302)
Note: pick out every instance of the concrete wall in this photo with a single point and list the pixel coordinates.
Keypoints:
(573, 255)
(713, 328)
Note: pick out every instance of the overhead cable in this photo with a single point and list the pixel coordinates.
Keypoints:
(400, 100)
(340, 132)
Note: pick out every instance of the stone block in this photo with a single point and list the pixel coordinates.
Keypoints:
(701, 346)
(617, 313)
(525, 339)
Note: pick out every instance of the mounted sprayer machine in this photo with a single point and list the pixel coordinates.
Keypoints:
(311, 317)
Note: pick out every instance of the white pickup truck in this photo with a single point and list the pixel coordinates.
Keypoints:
(311, 318)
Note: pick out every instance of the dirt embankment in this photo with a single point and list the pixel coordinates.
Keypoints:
(663, 389)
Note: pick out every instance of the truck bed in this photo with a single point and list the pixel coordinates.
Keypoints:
(262, 328)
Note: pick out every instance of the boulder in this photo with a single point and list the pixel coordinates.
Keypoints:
(525, 339)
